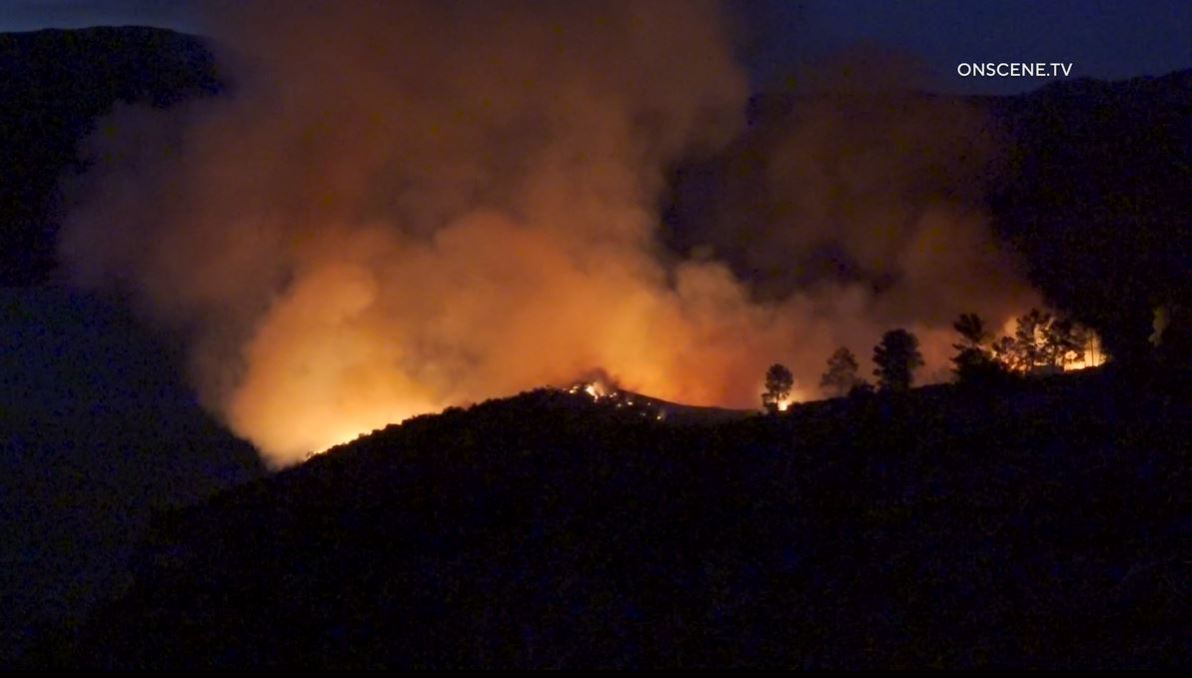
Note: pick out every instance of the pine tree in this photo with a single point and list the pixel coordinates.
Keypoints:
(841, 377)
(779, 382)
(897, 357)
(975, 358)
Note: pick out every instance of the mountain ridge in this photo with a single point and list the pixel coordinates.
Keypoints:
(942, 527)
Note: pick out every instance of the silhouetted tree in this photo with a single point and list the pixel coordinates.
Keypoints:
(1005, 352)
(779, 382)
(1063, 342)
(896, 357)
(1030, 342)
(841, 377)
(972, 331)
(974, 361)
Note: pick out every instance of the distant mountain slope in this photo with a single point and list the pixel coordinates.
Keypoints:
(97, 431)
(54, 84)
(1042, 526)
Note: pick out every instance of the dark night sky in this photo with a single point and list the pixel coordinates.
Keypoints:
(1110, 39)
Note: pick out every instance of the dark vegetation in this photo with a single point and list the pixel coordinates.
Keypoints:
(1043, 343)
(1096, 199)
(1044, 525)
(896, 358)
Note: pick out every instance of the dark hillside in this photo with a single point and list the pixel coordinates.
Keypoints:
(1044, 526)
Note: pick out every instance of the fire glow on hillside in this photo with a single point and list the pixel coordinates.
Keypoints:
(1042, 341)
(602, 391)
(474, 212)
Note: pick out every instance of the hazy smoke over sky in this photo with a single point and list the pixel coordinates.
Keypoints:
(405, 206)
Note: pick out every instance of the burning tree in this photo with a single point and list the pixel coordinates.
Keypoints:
(1043, 341)
(779, 382)
(897, 357)
(1030, 340)
(1005, 352)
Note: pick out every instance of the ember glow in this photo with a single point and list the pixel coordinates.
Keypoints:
(405, 206)
(1085, 352)
(1092, 356)
(597, 389)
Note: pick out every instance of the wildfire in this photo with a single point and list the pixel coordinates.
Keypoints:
(601, 391)
(1043, 343)
(335, 439)
(1091, 357)
(346, 253)
(597, 389)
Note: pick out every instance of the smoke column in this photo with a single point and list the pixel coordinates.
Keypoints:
(405, 206)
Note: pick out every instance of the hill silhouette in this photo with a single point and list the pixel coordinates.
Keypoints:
(1044, 525)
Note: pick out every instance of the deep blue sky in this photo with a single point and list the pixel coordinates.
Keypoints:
(1111, 39)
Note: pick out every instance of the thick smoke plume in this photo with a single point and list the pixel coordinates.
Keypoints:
(405, 206)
